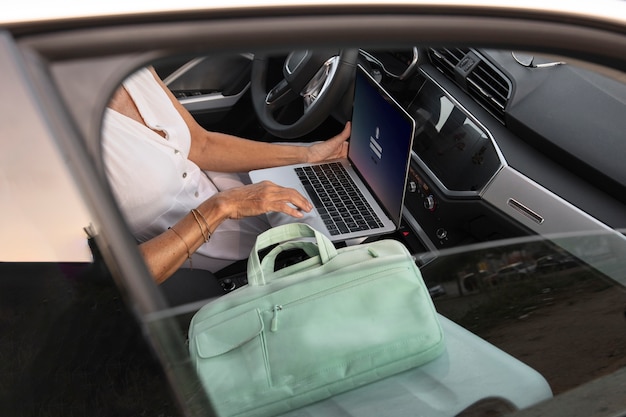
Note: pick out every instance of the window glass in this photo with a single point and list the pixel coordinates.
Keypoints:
(521, 276)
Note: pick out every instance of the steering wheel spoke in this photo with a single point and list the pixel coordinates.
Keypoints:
(320, 82)
(280, 95)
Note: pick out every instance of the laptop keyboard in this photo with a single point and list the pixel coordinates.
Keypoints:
(337, 199)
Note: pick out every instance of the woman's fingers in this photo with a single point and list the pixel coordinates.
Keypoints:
(264, 197)
(284, 200)
(333, 148)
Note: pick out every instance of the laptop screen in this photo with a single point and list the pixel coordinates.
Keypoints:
(380, 143)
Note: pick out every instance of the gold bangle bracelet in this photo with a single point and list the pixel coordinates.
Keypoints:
(206, 235)
(206, 223)
(186, 246)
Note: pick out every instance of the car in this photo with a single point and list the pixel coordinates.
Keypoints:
(547, 263)
(551, 263)
(436, 291)
(517, 157)
(514, 271)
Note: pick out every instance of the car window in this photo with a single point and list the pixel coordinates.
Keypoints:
(536, 296)
(544, 314)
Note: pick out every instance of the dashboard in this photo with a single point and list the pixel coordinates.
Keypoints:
(488, 166)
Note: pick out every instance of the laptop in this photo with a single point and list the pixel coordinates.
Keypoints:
(361, 195)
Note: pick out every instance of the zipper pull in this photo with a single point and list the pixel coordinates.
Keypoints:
(274, 325)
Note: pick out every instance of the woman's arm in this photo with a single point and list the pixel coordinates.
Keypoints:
(165, 253)
(226, 153)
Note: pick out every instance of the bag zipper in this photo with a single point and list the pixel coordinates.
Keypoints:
(274, 325)
(279, 307)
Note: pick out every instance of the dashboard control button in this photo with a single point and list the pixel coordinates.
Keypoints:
(429, 203)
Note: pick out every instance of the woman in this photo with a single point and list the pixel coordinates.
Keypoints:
(171, 178)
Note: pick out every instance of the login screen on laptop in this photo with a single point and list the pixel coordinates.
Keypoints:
(380, 143)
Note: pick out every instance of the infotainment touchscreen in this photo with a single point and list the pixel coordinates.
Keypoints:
(454, 148)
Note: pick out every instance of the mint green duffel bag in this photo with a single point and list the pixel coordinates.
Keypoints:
(338, 320)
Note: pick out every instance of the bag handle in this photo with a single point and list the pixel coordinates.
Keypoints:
(262, 273)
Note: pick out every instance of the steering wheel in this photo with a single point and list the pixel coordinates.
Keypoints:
(320, 78)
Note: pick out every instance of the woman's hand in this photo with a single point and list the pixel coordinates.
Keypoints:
(264, 197)
(334, 148)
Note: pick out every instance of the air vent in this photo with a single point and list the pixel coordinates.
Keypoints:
(468, 69)
(447, 59)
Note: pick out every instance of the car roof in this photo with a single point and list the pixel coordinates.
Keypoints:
(33, 11)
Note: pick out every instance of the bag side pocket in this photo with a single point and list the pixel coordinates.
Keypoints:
(232, 360)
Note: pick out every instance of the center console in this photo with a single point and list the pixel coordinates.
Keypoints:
(454, 159)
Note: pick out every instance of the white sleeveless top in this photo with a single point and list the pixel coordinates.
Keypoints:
(154, 182)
